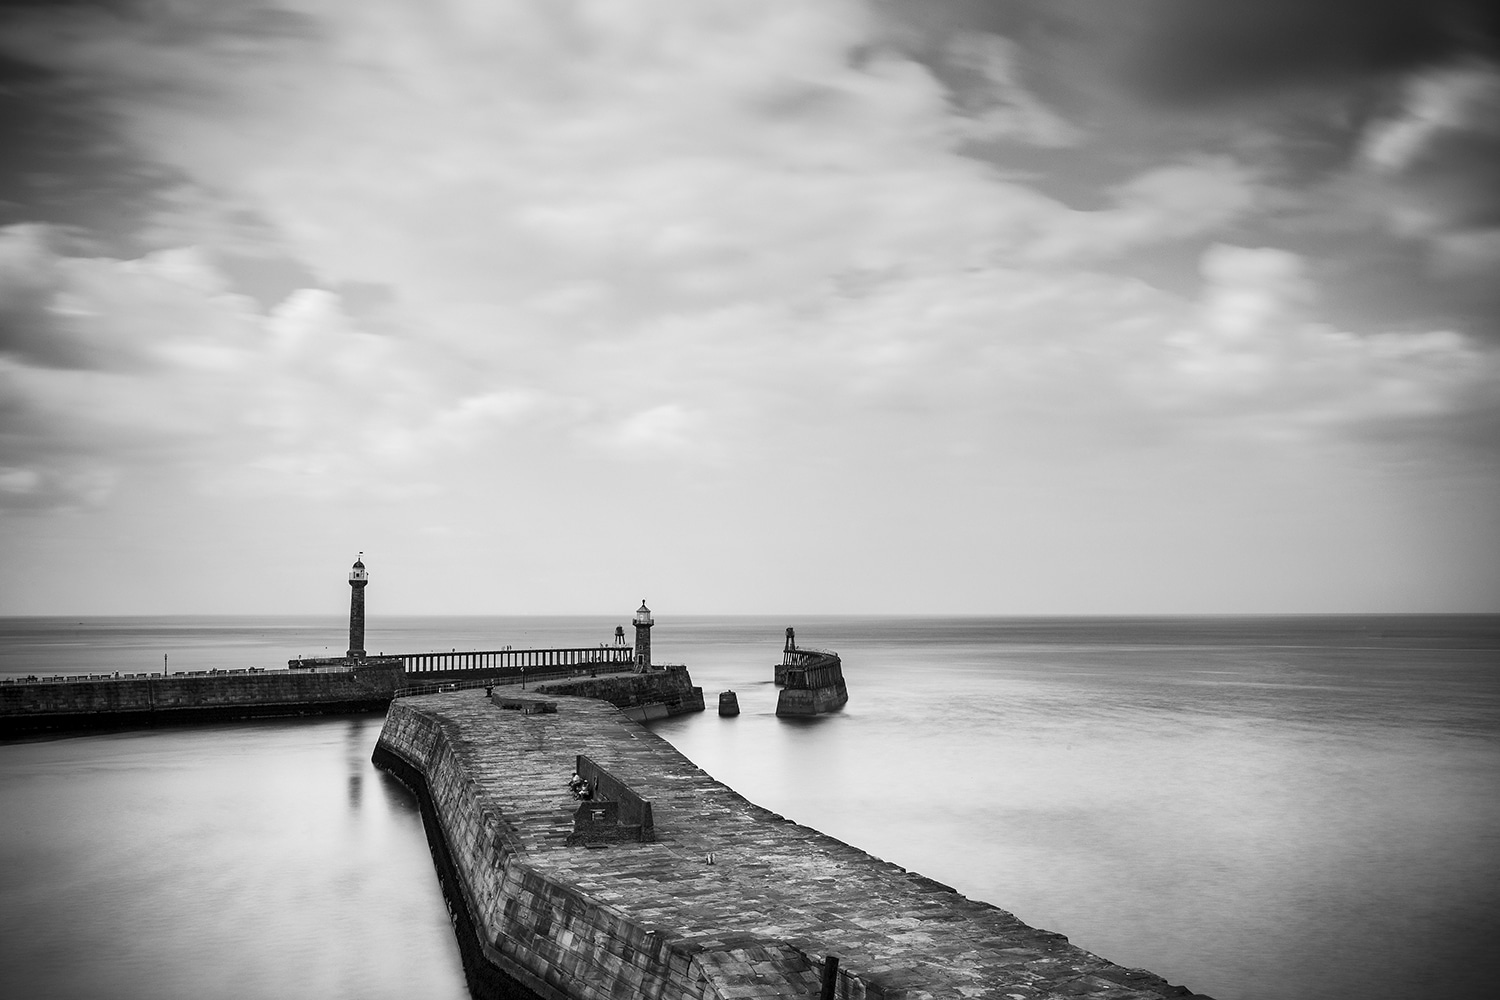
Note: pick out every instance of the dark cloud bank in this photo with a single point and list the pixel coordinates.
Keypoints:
(1195, 50)
(1300, 91)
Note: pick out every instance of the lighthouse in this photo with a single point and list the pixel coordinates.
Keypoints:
(643, 625)
(358, 580)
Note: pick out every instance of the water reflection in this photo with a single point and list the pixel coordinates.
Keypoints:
(396, 797)
(235, 861)
(356, 756)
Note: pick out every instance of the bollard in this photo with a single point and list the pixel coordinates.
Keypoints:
(830, 977)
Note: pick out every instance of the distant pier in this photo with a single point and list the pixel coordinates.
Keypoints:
(140, 699)
(811, 680)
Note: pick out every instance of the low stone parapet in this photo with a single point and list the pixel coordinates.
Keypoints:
(526, 706)
(612, 813)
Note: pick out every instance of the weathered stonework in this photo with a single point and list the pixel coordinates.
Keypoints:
(656, 694)
(143, 700)
(813, 686)
(729, 901)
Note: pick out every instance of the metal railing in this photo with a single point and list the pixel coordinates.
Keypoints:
(514, 659)
(806, 655)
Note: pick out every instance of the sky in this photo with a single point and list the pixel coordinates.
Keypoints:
(839, 306)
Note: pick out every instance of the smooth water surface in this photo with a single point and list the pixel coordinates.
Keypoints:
(1254, 807)
(246, 862)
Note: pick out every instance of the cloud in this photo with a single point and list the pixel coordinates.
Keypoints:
(1187, 51)
(1192, 51)
(1164, 204)
(1435, 104)
(1439, 155)
(28, 284)
(150, 363)
(661, 429)
(638, 226)
(1257, 355)
(995, 103)
(518, 270)
(63, 485)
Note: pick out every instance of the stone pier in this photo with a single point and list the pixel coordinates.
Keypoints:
(138, 699)
(726, 900)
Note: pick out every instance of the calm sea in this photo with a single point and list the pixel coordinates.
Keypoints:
(1258, 808)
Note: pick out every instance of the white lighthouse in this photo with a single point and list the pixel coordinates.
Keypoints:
(643, 625)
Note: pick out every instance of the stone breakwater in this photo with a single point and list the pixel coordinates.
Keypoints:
(728, 899)
(813, 684)
(142, 700)
(657, 694)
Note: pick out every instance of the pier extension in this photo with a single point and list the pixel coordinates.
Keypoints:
(811, 680)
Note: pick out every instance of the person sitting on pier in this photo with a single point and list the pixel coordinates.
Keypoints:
(579, 785)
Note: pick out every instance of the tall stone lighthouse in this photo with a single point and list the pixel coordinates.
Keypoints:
(359, 579)
(643, 625)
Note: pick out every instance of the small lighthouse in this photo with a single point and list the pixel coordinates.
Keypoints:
(643, 625)
(359, 579)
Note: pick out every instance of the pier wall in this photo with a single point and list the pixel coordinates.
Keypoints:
(813, 686)
(811, 701)
(157, 700)
(662, 692)
(728, 901)
(537, 935)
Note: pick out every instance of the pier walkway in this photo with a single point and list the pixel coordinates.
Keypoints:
(662, 920)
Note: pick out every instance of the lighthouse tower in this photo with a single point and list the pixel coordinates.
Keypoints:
(643, 625)
(359, 579)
